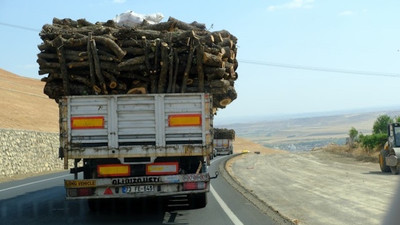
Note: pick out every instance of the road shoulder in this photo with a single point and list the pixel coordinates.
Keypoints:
(226, 172)
(315, 187)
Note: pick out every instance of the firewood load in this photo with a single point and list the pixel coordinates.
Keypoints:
(82, 58)
(223, 133)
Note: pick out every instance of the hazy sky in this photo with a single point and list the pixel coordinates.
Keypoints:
(295, 56)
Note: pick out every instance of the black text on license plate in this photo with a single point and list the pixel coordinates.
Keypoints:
(137, 189)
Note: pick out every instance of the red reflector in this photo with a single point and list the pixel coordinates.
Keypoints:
(85, 191)
(190, 186)
(108, 191)
(194, 185)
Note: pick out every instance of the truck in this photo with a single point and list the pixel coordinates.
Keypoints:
(223, 141)
(389, 156)
(137, 146)
(223, 146)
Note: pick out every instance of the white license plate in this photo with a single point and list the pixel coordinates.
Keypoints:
(137, 189)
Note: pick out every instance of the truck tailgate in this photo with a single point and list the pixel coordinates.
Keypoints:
(147, 125)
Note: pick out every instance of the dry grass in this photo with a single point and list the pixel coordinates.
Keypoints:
(242, 144)
(356, 152)
(24, 106)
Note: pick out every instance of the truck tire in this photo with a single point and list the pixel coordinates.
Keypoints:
(197, 201)
(394, 169)
(382, 162)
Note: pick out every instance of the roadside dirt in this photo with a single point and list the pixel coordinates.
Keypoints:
(23, 105)
(316, 187)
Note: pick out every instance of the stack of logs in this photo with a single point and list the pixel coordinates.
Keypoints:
(223, 133)
(82, 58)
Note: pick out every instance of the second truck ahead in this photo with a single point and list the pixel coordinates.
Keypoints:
(135, 146)
(223, 141)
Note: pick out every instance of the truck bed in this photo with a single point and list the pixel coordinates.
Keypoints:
(129, 126)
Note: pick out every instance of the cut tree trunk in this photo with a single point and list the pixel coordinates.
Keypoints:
(169, 57)
(164, 68)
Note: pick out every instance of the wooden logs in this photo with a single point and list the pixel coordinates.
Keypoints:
(223, 133)
(187, 68)
(162, 82)
(80, 58)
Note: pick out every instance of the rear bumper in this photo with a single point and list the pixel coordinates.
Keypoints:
(137, 187)
(223, 151)
(113, 196)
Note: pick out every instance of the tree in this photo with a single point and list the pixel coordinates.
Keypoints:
(380, 124)
(397, 119)
(352, 135)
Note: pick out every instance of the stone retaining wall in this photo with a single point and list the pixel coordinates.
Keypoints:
(26, 152)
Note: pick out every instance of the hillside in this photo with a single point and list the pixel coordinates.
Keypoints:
(24, 106)
(310, 132)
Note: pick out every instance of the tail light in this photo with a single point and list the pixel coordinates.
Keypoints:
(194, 186)
(79, 192)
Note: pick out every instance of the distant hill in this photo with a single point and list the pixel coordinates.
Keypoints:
(305, 133)
(24, 106)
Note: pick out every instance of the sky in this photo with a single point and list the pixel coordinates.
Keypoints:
(295, 56)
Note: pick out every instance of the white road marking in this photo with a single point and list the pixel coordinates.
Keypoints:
(226, 209)
(221, 202)
(34, 182)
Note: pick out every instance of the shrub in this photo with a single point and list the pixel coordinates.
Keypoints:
(353, 133)
(373, 141)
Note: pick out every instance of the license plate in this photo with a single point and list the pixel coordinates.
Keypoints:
(137, 189)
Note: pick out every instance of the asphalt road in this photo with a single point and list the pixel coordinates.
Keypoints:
(40, 200)
(318, 187)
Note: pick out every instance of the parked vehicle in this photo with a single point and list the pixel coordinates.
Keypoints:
(389, 157)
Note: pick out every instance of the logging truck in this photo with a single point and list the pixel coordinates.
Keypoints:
(223, 141)
(223, 146)
(137, 146)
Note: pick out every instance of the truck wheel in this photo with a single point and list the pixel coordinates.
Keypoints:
(394, 169)
(197, 201)
(382, 161)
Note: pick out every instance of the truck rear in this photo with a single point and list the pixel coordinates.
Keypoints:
(223, 146)
(135, 146)
(223, 140)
